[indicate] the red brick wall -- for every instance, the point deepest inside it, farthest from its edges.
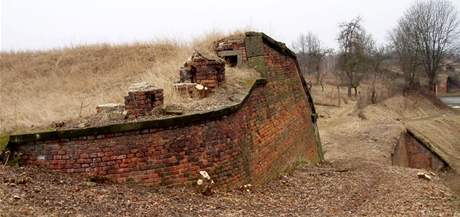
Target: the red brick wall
(288, 136)
(269, 133)
(237, 45)
(442, 85)
(139, 103)
(411, 153)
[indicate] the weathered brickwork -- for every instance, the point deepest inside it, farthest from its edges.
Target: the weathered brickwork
(266, 135)
(410, 152)
(442, 84)
(232, 50)
(202, 70)
(142, 98)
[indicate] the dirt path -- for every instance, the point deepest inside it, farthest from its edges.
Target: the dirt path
(359, 136)
(348, 135)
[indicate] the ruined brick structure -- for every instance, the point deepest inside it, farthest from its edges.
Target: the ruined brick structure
(442, 84)
(202, 70)
(142, 98)
(453, 85)
(411, 152)
(252, 141)
(447, 84)
(232, 50)
(430, 143)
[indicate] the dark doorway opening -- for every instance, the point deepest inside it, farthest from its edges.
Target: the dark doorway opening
(152, 99)
(232, 61)
(193, 75)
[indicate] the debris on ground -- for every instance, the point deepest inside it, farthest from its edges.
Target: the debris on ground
(365, 189)
(423, 175)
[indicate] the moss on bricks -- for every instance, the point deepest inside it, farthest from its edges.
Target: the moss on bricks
(133, 126)
(258, 63)
(254, 46)
(4, 139)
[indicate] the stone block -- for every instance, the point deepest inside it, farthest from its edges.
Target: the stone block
(192, 90)
(110, 108)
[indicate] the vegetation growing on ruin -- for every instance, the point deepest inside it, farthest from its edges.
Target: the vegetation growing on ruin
(42, 87)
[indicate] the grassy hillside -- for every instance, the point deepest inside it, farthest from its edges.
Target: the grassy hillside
(38, 88)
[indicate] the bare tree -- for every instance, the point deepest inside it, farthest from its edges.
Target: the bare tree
(407, 54)
(352, 62)
(313, 53)
(330, 67)
(432, 27)
(377, 69)
(301, 47)
(310, 54)
(319, 65)
(325, 66)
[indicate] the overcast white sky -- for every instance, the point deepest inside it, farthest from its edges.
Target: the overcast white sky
(45, 24)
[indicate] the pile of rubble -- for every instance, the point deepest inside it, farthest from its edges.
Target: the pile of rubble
(142, 98)
(198, 77)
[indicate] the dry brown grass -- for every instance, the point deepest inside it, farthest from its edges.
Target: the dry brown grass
(37, 88)
(329, 96)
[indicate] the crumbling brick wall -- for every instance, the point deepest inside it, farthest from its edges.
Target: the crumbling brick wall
(251, 142)
(442, 84)
(232, 50)
(409, 152)
(142, 98)
(202, 70)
